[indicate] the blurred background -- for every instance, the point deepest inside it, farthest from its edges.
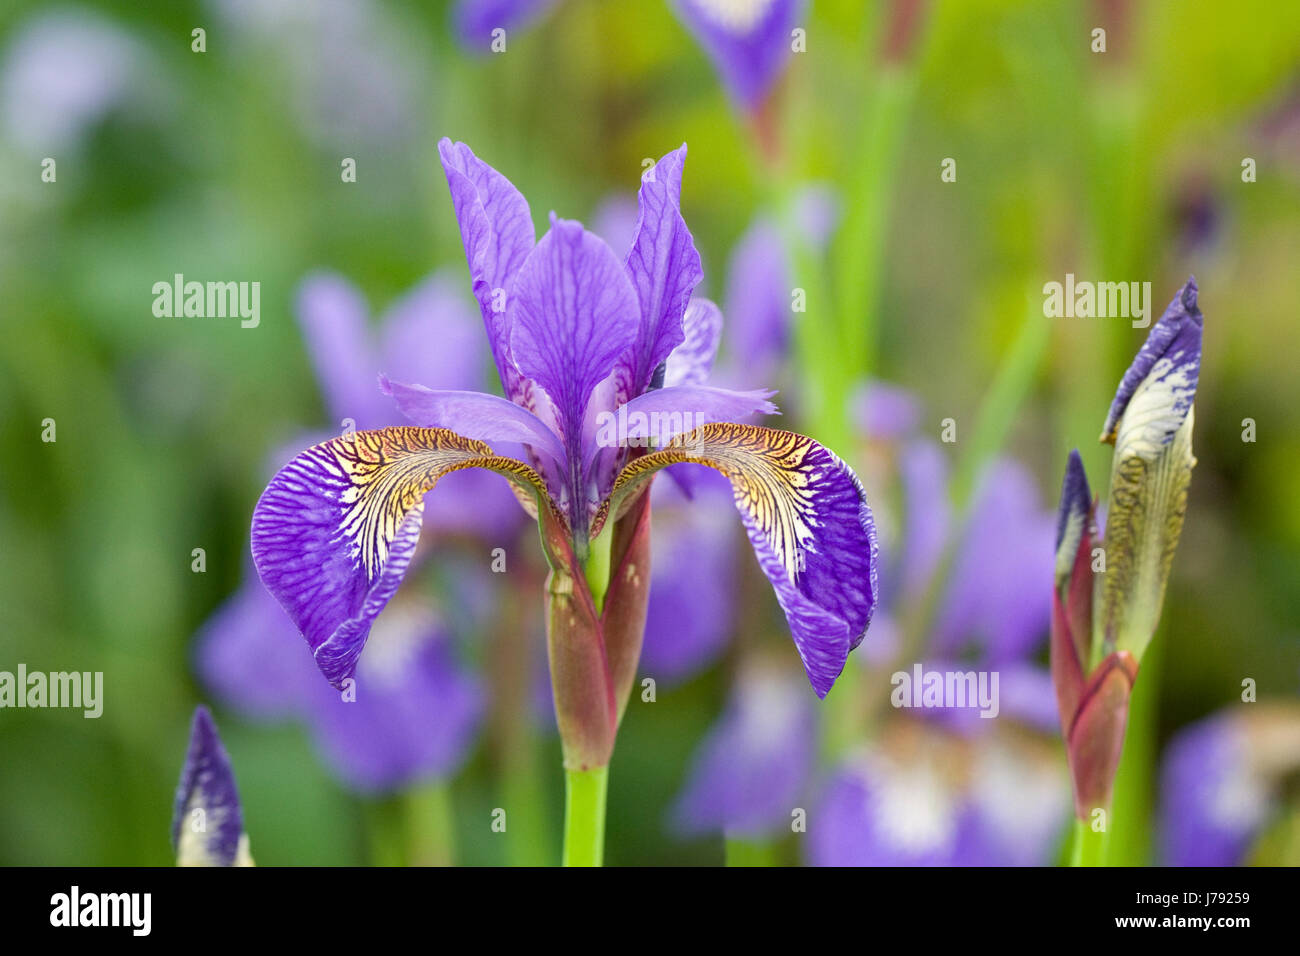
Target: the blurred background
(922, 301)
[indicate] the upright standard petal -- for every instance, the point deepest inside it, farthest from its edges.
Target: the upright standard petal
(665, 269)
(748, 41)
(207, 823)
(336, 528)
(572, 314)
(808, 521)
(496, 228)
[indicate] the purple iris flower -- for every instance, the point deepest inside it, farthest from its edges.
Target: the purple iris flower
(414, 712)
(207, 822)
(602, 362)
(749, 41)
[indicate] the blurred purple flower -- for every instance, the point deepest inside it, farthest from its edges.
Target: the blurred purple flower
(1220, 782)
(693, 579)
(63, 71)
(994, 806)
(352, 72)
(749, 41)
(474, 21)
(751, 771)
(413, 713)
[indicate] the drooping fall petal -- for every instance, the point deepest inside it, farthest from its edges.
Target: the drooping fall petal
(335, 529)
(808, 521)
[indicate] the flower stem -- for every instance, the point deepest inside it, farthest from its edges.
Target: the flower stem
(1088, 845)
(430, 825)
(742, 852)
(584, 816)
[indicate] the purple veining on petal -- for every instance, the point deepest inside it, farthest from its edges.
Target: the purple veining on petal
(1211, 805)
(664, 267)
(666, 413)
(312, 569)
(207, 822)
(749, 43)
(573, 313)
(749, 774)
(474, 415)
(496, 228)
(1171, 354)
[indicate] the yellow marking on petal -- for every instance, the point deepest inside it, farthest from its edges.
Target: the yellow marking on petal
(389, 470)
(770, 480)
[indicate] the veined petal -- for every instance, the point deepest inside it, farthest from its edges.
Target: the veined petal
(573, 312)
(207, 824)
(665, 269)
(748, 40)
(808, 521)
(496, 228)
(664, 414)
(474, 415)
(335, 529)
(691, 362)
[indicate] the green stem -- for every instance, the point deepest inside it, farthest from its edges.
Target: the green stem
(584, 816)
(430, 825)
(750, 852)
(597, 565)
(1089, 845)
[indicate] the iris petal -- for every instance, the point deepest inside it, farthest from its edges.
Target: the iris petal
(335, 529)
(809, 524)
(496, 228)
